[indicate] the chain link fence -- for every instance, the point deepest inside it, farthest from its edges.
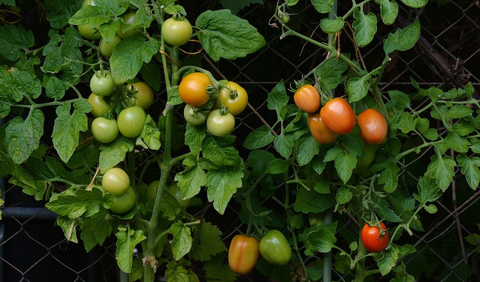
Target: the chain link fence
(446, 56)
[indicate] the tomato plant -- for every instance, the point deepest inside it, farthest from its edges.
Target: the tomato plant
(106, 48)
(319, 130)
(101, 83)
(338, 115)
(131, 121)
(143, 95)
(124, 202)
(194, 116)
(242, 254)
(234, 97)
(176, 32)
(193, 89)
(274, 248)
(115, 181)
(307, 98)
(373, 126)
(219, 124)
(374, 239)
(104, 130)
(99, 106)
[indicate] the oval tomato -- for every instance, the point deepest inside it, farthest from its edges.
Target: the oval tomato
(274, 248)
(143, 94)
(236, 100)
(176, 32)
(124, 202)
(193, 117)
(89, 33)
(374, 240)
(338, 115)
(101, 83)
(319, 130)
(307, 99)
(116, 181)
(104, 130)
(131, 121)
(128, 19)
(99, 106)
(373, 126)
(193, 89)
(219, 124)
(242, 254)
(106, 48)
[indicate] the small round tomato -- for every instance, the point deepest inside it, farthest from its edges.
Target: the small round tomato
(124, 202)
(193, 117)
(175, 191)
(365, 159)
(193, 89)
(374, 240)
(116, 181)
(143, 94)
(104, 130)
(176, 32)
(128, 18)
(373, 126)
(338, 115)
(236, 100)
(242, 254)
(106, 48)
(89, 33)
(99, 106)
(102, 83)
(219, 124)
(274, 248)
(307, 99)
(131, 121)
(319, 130)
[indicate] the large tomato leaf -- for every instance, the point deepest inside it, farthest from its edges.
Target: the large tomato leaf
(127, 241)
(403, 39)
(23, 136)
(208, 242)
(182, 239)
(365, 27)
(222, 183)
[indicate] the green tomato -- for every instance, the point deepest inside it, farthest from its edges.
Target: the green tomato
(104, 130)
(274, 248)
(175, 191)
(128, 19)
(102, 83)
(131, 121)
(99, 106)
(365, 159)
(143, 94)
(176, 32)
(220, 125)
(106, 48)
(193, 117)
(89, 33)
(116, 181)
(124, 202)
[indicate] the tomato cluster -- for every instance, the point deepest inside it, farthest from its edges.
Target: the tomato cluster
(117, 182)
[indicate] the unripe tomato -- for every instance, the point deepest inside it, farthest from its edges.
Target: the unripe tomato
(131, 121)
(143, 96)
(106, 48)
(192, 117)
(236, 101)
(99, 106)
(319, 130)
(102, 83)
(219, 124)
(124, 202)
(128, 18)
(116, 181)
(176, 32)
(89, 33)
(373, 126)
(175, 191)
(274, 248)
(307, 99)
(242, 254)
(104, 130)
(193, 89)
(338, 115)
(365, 159)
(373, 240)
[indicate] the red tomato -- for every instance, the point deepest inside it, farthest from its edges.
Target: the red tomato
(243, 254)
(338, 115)
(372, 238)
(373, 126)
(307, 99)
(319, 130)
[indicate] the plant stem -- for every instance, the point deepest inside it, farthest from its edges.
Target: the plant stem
(360, 273)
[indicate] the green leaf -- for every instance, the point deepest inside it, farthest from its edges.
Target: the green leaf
(307, 149)
(387, 259)
(113, 153)
(137, 270)
(129, 55)
(80, 203)
(330, 73)
(150, 135)
(194, 136)
(277, 166)
(403, 39)
(69, 227)
(388, 11)
(23, 137)
(127, 240)
(323, 239)
(54, 87)
(278, 98)
(456, 142)
(344, 164)
(227, 36)
(217, 271)
(470, 168)
(152, 74)
(235, 6)
(332, 25)
(353, 141)
(182, 239)
(170, 207)
(365, 27)
(323, 6)
(398, 100)
(258, 138)
(460, 111)
(357, 87)
(96, 229)
(13, 40)
(344, 195)
(91, 15)
(222, 183)
(443, 169)
(389, 177)
(176, 273)
(311, 201)
(219, 151)
(208, 242)
(59, 12)
(415, 3)
(191, 179)
(284, 144)
(428, 190)
(18, 84)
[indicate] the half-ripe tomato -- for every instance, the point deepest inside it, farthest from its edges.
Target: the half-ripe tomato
(374, 240)
(143, 94)
(307, 98)
(373, 126)
(99, 106)
(176, 32)
(116, 181)
(128, 19)
(236, 100)
(242, 254)
(104, 130)
(319, 130)
(219, 124)
(193, 89)
(131, 121)
(192, 116)
(106, 48)
(101, 83)
(274, 248)
(124, 202)
(338, 115)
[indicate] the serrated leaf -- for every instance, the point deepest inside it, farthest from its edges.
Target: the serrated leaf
(91, 15)
(460, 111)
(277, 98)
(403, 39)
(81, 203)
(277, 166)
(18, 84)
(191, 179)
(365, 27)
(113, 153)
(23, 136)
(332, 25)
(216, 270)
(323, 239)
(127, 240)
(307, 149)
(470, 168)
(182, 239)
(176, 273)
(284, 144)
(13, 40)
(227, 36)
(150, 135)
(208, 242)
(389, 177)
(388, 11)
(95, 230)
(323, 6)
(344, 165)
(222, 183)
(357, 87)
(387, 259)
(59, 12)
(428, 190)
(258, 138)
(54, 87)
(219, 151)
(456, 142)
(69, 227)
(443, 168)
(398, 100)
(311, 201)
(330, 73)
(194, 136)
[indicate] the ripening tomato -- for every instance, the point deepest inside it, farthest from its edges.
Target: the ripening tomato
(128, 19)
(219, 124)
(194, 117)
(338, 115)
(102, 83)
(236, 100)
(307, 99)
(131, 121)
(104, 130)
(193, 89)
(143, 94)
(242, 254)
(124, 202)
(319, 130)
(373, 126)
(274, 248)
(106, 48)
(374, 240)
(176, 32)
(99, 106)
(116, 181)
